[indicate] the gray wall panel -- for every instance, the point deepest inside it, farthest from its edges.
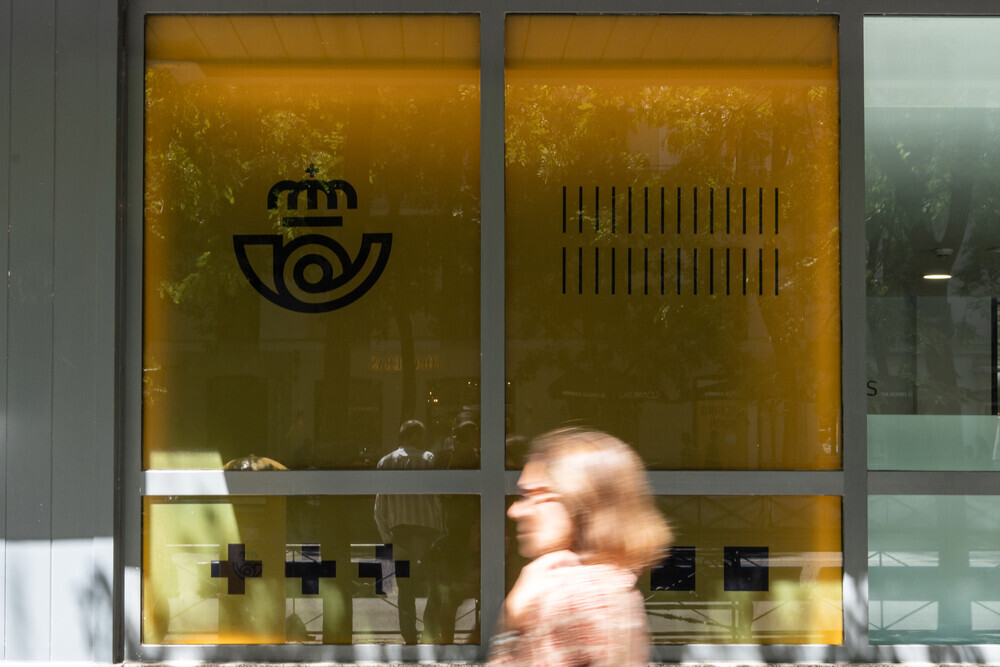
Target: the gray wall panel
(29, 331)
(5, 10)
(83, 332)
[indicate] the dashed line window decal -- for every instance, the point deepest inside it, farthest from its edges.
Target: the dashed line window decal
(726, 270)
(673, 235)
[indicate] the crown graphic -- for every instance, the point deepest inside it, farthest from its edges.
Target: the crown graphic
(312, 187)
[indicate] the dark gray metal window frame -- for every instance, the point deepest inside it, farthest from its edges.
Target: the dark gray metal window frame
(853, 484)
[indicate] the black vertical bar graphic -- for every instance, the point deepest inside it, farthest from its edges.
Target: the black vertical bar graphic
(597, 270)
(645, 210)
(564, 268)
(580, 211)
(612, 209)
(694, 272)
(564, 218)
(597, 208)
(695, 210)
(711, 210)
(995, 390)
(744, 271)
(711, 270)
(662, 257)
(760, 271)
(760, 211)
(775, 272)
(678, 271)
(727, 271)
(630, 209)
(629, 270)
(744, 210)
(727, 210)
(678, 210)
(645, 270)
(776, 211)
(612, 270)
(580, 264)
(662, 214)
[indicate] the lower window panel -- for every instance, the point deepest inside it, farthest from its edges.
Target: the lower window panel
(311, 569)
(933, 565)
(742, 570)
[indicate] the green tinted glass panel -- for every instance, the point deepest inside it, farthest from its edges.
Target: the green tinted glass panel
(311, 238)
(743, 570)
(311, 569)
(932, 170)
(673, 246)
(932, 569)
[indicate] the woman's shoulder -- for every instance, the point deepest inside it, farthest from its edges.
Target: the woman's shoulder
(587, 586)
(599, 575)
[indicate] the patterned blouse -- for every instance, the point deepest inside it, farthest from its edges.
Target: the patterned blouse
(584, 616)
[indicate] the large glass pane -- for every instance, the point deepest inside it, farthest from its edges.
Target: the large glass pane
(311, 238)
(311, 569)
(743, 570)
(673, 235)
(932, 168)
(932, 569)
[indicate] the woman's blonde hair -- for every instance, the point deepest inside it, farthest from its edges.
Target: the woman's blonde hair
(602, 484)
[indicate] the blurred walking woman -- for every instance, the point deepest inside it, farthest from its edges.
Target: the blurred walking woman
(586, 519)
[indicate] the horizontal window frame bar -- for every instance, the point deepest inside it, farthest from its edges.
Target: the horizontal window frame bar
(652, 7)
(819, 653)
(432, 482)
(934, 483)
(733, 482)
(340, 653)
(310, 482)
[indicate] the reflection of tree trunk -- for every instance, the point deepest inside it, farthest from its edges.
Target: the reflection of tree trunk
(907, 178)
(404, 323)
(937, 330)
(408, 360)
(940, 354)
(334, 424)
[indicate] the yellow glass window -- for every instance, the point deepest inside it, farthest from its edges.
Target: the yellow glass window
(311, 239)
(672, 226)
(311, 569)
(742, 570)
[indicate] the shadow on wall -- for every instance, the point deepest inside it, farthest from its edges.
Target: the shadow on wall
(97, 603)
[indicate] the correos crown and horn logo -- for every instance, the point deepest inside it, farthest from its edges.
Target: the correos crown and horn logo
(323, 275)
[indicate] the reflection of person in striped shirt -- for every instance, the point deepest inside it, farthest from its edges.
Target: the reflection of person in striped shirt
(587, 519)
(410, 523)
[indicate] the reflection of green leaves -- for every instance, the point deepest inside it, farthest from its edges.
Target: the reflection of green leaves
(209, 161)
(678, 135)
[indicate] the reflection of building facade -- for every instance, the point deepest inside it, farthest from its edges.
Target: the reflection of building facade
(232, 277)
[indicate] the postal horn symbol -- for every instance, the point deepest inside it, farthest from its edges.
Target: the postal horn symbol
(319, 266)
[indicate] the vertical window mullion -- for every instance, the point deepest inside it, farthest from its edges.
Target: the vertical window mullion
(492, 314)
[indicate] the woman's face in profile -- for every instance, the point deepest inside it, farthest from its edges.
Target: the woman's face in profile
(543, 524)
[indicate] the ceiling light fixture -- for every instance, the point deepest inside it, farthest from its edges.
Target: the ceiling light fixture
(939, 271)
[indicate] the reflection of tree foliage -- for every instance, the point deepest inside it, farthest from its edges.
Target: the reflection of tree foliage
(929, 175)
(213, 152)
(645, 135)
(214, 147)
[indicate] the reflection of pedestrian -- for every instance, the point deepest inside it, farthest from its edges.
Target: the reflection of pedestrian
(455, 559)
(410, 523)
(587, 520)
(460, 450)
